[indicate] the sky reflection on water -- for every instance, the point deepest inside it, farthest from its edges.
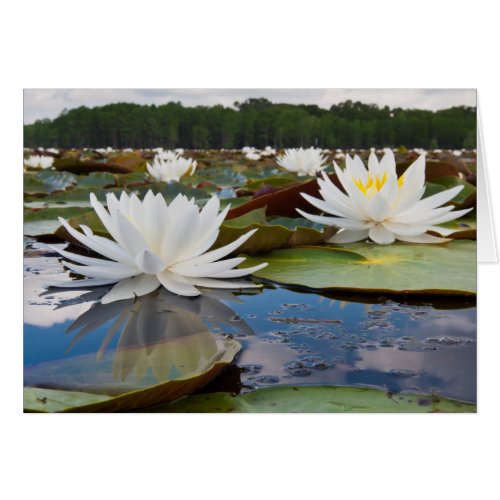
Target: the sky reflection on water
(288, 337)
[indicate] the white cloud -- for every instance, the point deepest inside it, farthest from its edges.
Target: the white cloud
(48, 103)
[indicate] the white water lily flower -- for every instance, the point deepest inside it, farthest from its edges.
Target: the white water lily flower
(302, 161)
(252, 156)
(104, 151)
(167, 155)
(251, 153)
(268, 151)
(156, 244)
(378, 205)
(171, 170)
(36, 161)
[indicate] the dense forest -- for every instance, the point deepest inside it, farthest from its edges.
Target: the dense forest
(255, 122)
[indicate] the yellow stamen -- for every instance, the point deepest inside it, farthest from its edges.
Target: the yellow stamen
(376, 182)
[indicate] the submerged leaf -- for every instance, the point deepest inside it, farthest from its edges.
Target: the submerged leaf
(91, 397)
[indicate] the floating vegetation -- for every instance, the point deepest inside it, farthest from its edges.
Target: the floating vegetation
(329, 321)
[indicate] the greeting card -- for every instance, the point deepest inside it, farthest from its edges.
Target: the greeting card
(266, 251)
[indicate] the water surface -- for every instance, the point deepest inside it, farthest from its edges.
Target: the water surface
(71, 341)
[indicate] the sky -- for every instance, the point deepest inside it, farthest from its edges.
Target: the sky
(48, 103)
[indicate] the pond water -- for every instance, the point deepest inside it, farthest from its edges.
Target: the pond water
(425, 345)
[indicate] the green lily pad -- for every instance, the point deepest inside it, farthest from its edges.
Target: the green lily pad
(465, 227)
(271, 181)
(219, 176)
(295, 223)
(234, 202)
(37, 222)
(124, 180)
(269, 236)
(131, 161)
(77, 194)
(466, 197)
(398, 268)
(254, 217)
(96, 180)
(46, 182)
(50, 399)
(37, 228)
(315, 399)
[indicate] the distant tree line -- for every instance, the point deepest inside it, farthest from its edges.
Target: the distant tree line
(255, 122)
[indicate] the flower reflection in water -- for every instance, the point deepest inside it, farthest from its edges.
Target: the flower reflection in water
(159, 337)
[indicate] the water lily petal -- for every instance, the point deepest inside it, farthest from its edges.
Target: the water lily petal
(177, 284)
(360, 200)
(132, 287)
(336, 221)
(124, 203)
(437, 199)
(404, 229)
(414, 216)
(388, 163)
(450, 216)
(220, 252)
(444, 231)
(423, 238)
(356, 169)
(378, 208)
(344, 209)
(322, 205)
(117, 272)
(407, 198)
(156, 221)
(149, 263)
(208, 270)
(373, 165)
(105, 247)
(390, 189)
(237, 273)
(216, 283)
(342, 201)
(132, 239)
(381, 235)
(182, 231)
(349, 236)
(85, 283)
(81, 259)
(106, 219)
